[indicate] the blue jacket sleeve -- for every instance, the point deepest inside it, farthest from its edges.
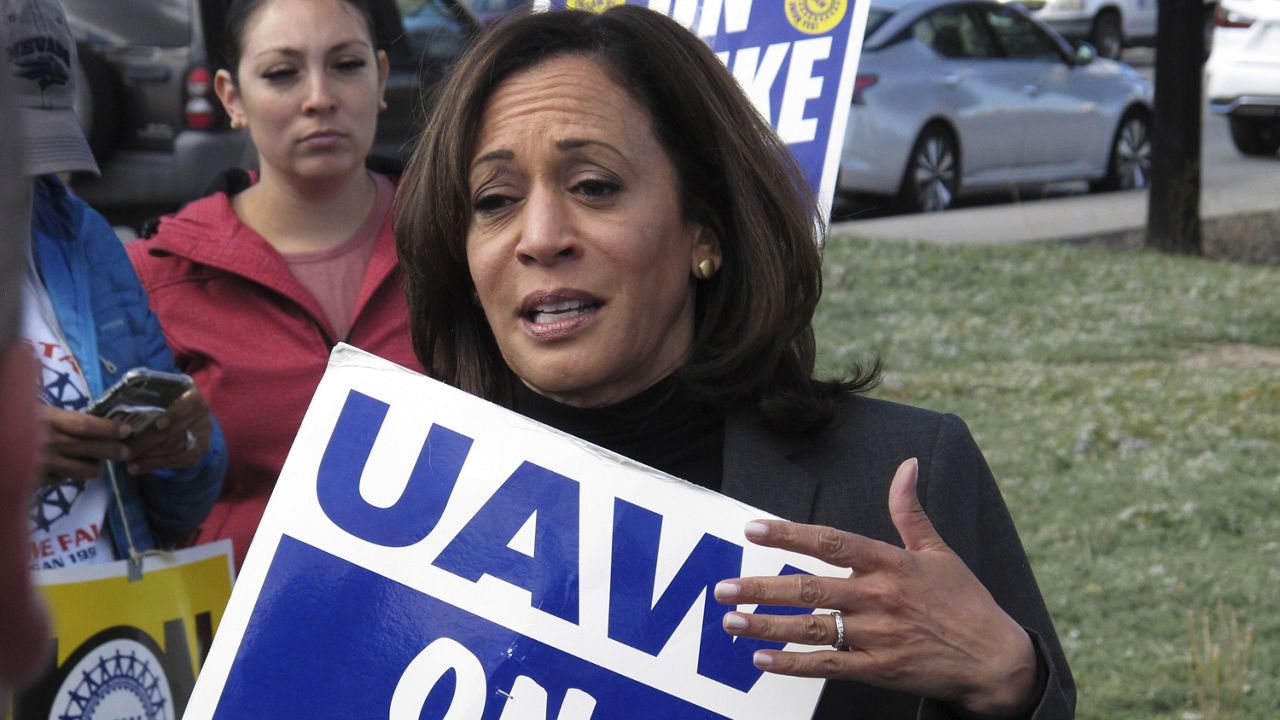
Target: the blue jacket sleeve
(175, 501)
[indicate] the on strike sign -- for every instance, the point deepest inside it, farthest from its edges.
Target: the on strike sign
(428, 554)
(795, 59)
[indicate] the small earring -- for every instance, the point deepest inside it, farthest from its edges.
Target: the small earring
(236, 124)
(382, 103)
(706, 269)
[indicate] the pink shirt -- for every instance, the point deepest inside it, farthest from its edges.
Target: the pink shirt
(333, 276)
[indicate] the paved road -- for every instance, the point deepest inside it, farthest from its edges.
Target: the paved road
(1231, 184)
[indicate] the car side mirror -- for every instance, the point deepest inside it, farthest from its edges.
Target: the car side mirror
(1085, 53)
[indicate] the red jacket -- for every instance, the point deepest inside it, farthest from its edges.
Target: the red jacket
(256, 341)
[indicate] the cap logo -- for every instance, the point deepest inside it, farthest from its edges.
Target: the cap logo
(38, 58)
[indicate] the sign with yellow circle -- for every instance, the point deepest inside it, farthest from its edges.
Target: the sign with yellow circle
(595, 6)
(127, 648)
(796, 60)
(815, 17)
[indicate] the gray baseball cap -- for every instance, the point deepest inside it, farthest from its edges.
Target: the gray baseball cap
(40, 57)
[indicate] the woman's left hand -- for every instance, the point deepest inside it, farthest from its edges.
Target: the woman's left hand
(916, 619)
(177, 439)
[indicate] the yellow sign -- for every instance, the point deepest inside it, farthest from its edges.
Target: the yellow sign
(123, 649)
(595, 6)
(815, 17)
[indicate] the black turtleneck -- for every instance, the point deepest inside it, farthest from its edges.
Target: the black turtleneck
(660, 427)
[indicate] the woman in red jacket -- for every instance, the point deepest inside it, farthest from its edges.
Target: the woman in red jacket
(254, 288)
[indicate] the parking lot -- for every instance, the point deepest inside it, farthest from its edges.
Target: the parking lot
(1232, 185)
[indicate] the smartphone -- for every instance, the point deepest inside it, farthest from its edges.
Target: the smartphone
(140, 397)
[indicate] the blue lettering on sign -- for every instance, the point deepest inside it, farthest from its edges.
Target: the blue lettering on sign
(431, 482)
(331, 639)
(550, 573)
(482, 547)
(639, 622)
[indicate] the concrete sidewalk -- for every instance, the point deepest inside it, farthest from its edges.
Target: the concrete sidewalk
(1068, 218)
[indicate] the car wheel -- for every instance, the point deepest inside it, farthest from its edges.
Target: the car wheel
(1255, 136)
(1129, 166)
(932, 177)
(95, 101)
(1107, 35)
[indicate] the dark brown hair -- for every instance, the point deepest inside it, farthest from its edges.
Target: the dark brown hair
(237, 24)
(753, 344)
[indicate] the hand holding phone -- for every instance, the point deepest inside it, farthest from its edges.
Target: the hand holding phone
(140, 397)
(76, 443)
(152, 420)
(177, 439)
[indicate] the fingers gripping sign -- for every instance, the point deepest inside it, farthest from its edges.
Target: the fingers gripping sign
(914, 619)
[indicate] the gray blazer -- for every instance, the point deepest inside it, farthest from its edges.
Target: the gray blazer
(840, 476)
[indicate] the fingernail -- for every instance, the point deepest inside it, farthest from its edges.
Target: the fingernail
(124, 430)
(755, 530)
(162, 423)
(761, 659)
(734, 621)
(915, 464)
(726, 590)
(133, 470)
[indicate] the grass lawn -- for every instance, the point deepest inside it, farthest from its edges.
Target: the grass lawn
(1129, 405)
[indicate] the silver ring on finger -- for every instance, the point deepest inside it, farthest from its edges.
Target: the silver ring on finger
(839, 644)
(191, 440)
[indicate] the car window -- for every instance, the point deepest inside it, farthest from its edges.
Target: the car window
(876, 18)
(1020, 38)
(160, 23)
(432, 30)
(952, 33)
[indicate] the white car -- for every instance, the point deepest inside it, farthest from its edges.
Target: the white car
(1109, 25)
(1242, 77)
(966, 96)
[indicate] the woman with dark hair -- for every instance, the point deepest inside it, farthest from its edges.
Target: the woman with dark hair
(599, 232)
(254, 286)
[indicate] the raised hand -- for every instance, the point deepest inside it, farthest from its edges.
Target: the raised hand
(915, 619)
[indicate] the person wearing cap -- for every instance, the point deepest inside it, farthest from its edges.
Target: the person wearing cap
(104, 491)
(23, 623)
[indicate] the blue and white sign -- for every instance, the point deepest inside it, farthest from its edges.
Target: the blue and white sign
(427, 554)
(795, 59)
